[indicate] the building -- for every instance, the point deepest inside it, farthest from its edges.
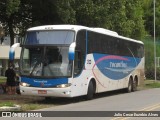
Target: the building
(4, 54)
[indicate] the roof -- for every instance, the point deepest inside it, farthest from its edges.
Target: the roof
(58, 27)
(79, 27)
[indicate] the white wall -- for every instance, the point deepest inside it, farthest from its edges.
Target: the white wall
(4, 52)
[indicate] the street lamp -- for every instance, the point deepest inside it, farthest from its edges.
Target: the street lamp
(155, 43)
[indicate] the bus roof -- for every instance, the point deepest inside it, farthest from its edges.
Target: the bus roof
(58, 27)
(79, 27)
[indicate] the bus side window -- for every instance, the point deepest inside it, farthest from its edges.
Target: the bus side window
(78, 63)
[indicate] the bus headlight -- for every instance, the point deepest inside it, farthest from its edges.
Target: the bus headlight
(24, 84)
(64, 85)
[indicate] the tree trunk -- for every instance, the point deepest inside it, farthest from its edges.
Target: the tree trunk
(11, 32)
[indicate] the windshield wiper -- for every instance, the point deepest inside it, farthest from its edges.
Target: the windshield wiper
(37, 63)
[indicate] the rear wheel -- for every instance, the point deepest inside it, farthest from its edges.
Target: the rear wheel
(130, 86)
(134, 85)
(91, 91)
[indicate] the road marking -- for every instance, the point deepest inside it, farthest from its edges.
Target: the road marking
(153, 108)
(149, 108)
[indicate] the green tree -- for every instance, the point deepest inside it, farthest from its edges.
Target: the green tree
(44, 12)
(91, 13)
(65, 11)
(123, 16)
(149, 13)
(158, 18)
(24, 16)
(126, 18)
(84, 12)
(8, 10)
(52, 12)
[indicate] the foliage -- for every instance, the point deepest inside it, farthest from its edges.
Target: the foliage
(8, 10)
(52, 12)
(12, 7)
(148, 16)
(65, 11)
(149, 57)
(7, 104)
(24, 16)
(2, 80)
(91, 13)
(152, 84)
(125, 17)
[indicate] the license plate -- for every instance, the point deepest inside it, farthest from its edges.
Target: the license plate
(42, 91)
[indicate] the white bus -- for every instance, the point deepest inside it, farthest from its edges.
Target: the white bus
(72, 60)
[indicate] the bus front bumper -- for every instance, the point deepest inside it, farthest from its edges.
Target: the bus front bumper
(47, 92)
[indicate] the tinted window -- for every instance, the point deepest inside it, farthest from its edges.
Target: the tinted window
(105, 44)
(80, 52)
(49, 37)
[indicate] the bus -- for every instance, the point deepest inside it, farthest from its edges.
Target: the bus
(74, 60)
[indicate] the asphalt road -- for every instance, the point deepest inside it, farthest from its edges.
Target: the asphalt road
(144, 100)
(117, 102)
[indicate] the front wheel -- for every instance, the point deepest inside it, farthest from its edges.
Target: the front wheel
(90, 92)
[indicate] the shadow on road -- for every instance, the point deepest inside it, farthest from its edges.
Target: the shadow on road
(63, 101)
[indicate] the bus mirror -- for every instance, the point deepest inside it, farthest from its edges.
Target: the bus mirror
(12, 51)
(71, 51)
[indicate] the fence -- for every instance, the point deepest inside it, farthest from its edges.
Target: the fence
(149, 59)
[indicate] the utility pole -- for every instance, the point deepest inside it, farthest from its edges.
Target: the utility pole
(155, 43)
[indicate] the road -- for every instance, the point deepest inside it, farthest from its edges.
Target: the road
(125, 101)
(144, 100)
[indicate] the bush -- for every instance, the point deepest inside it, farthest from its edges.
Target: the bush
(150, 73)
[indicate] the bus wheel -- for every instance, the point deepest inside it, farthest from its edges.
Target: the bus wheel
(90, 92)
(130, 86)
(135, 86)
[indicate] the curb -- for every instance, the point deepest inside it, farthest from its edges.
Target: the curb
(14, 108)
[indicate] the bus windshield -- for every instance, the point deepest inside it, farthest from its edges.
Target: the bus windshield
(59, 37)
(45, 61)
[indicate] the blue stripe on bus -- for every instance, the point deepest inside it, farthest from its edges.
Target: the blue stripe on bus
(115, 67)
(34, 82)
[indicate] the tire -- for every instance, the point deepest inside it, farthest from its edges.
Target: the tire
(91, 91)
(134, 86)
(130, 86)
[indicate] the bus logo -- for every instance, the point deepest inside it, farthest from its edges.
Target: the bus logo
(113, 66)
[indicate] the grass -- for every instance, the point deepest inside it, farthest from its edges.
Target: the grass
(26, 105)
(2, 79)
(7, 104)
(152, 84)
(32, 106)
